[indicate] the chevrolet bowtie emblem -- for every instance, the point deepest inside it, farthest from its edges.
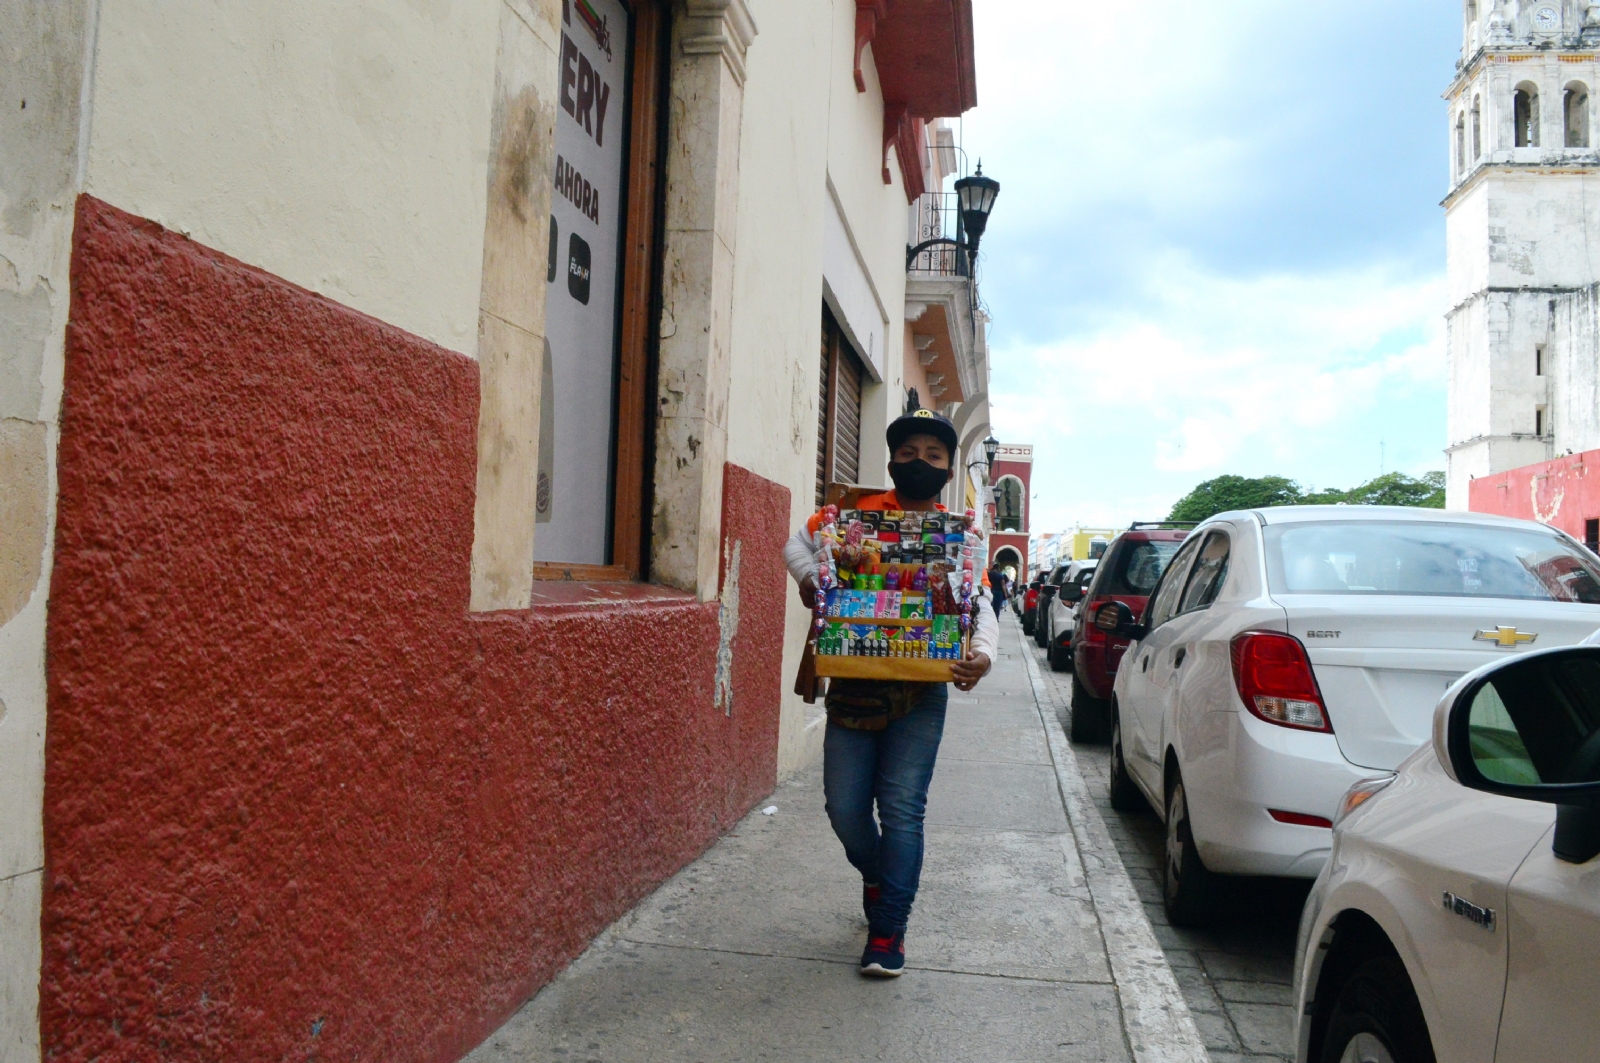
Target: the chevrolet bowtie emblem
(1505, 637)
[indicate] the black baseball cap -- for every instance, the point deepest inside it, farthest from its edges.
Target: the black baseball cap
(923, 422)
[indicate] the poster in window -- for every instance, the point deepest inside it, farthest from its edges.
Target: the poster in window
(578, 407)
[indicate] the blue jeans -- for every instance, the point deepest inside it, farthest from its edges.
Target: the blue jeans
(893, 768)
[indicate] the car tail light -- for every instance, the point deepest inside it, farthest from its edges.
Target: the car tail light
(1091, 633)
(1274, 678)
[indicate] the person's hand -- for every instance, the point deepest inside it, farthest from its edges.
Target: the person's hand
(969, 671)
(808, 593)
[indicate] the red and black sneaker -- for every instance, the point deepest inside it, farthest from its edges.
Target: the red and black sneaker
(870, 892)
(885, 956)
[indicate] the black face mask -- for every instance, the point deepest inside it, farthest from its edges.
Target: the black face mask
(916, 480)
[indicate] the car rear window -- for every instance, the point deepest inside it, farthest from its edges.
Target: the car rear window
(1136, 567)
(1428, 558)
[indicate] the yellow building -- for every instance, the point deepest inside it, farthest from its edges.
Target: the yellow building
(1084, 541)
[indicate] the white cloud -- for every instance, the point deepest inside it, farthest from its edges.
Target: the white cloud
(1201, 261)
(1204, 375)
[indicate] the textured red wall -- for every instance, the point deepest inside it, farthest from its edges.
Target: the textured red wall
(299, 803)
(1559, 492)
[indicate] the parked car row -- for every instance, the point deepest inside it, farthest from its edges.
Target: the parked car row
(1047, 592)
(1060, 620)
(1367, 696)
(1030, 604)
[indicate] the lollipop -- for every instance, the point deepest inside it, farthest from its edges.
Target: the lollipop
(827, 573)
(850, 550)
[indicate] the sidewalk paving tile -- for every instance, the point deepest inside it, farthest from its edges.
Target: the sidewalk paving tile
(995, 795)
(750, 952)
(653, 1003)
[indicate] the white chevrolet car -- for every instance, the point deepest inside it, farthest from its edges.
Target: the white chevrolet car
(1062, 616)
(1458, 917)
(1288, 654)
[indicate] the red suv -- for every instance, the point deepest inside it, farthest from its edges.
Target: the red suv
(1030, 605)
(1127, 574)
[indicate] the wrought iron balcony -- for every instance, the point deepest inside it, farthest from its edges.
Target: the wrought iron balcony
(936, 216)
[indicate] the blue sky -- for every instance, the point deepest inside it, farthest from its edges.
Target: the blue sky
(1218, 246)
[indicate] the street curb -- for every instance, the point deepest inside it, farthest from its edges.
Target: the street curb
(1154, 1014)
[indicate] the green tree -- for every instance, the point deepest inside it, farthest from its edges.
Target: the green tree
(1243, 492)
(1328, 496)
(1235, 492)
(1398, 489)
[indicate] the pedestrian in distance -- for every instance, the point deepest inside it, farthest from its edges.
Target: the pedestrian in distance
(883, 737)
(997, 584)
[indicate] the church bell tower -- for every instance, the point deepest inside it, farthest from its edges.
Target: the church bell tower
(1522, 222)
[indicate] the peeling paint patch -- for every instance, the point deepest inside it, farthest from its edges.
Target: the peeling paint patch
(24, 504)
(728, 623)
(24, 329)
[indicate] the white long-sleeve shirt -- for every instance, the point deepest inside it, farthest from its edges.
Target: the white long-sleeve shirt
(800, 554)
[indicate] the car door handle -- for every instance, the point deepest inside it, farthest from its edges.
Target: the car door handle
(1178, 656)
(1144, 665)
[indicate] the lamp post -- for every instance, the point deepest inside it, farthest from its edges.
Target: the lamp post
(976, 195)
(991, 446)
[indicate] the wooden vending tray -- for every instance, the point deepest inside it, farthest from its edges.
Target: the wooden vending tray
(905, 669)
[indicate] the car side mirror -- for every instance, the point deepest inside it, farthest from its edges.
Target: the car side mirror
(1529, 727)
(1071, 592)
(1115, 618)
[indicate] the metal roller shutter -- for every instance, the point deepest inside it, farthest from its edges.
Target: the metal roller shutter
(839, 387)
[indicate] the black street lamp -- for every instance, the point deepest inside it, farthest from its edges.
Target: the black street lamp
(976, 194)
(991, 447)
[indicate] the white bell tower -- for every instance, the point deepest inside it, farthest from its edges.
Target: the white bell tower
(1522, 222)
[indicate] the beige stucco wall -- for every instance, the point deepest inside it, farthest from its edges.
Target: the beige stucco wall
(340, 146)
(41, 77)
(812, 145)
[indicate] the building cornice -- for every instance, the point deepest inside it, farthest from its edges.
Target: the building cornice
(1516, 53)
(719, 27)
(953, 294)
(1499, 437)
(1579, 165)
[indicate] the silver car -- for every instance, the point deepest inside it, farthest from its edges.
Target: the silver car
(1458, 916)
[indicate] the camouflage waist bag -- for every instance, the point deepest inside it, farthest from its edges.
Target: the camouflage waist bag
(872, 704)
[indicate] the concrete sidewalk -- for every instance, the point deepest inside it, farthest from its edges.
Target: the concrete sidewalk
(750, 953)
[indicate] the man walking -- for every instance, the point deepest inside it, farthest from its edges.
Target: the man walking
(883, 737)
(999, 587)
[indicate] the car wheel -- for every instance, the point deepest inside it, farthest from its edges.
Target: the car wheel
(1125, 795)
(1089, 714)
(1377, 1018)
(1060, 657)
(1041, 634)
(1186, 885)
(1027, 623)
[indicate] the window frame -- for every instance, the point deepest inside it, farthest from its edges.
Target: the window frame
(1184, 606)
(638, 304)
(1573, 97)
(1179, 564)
(1022, 505)
(1525, 115)
(835, 347)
